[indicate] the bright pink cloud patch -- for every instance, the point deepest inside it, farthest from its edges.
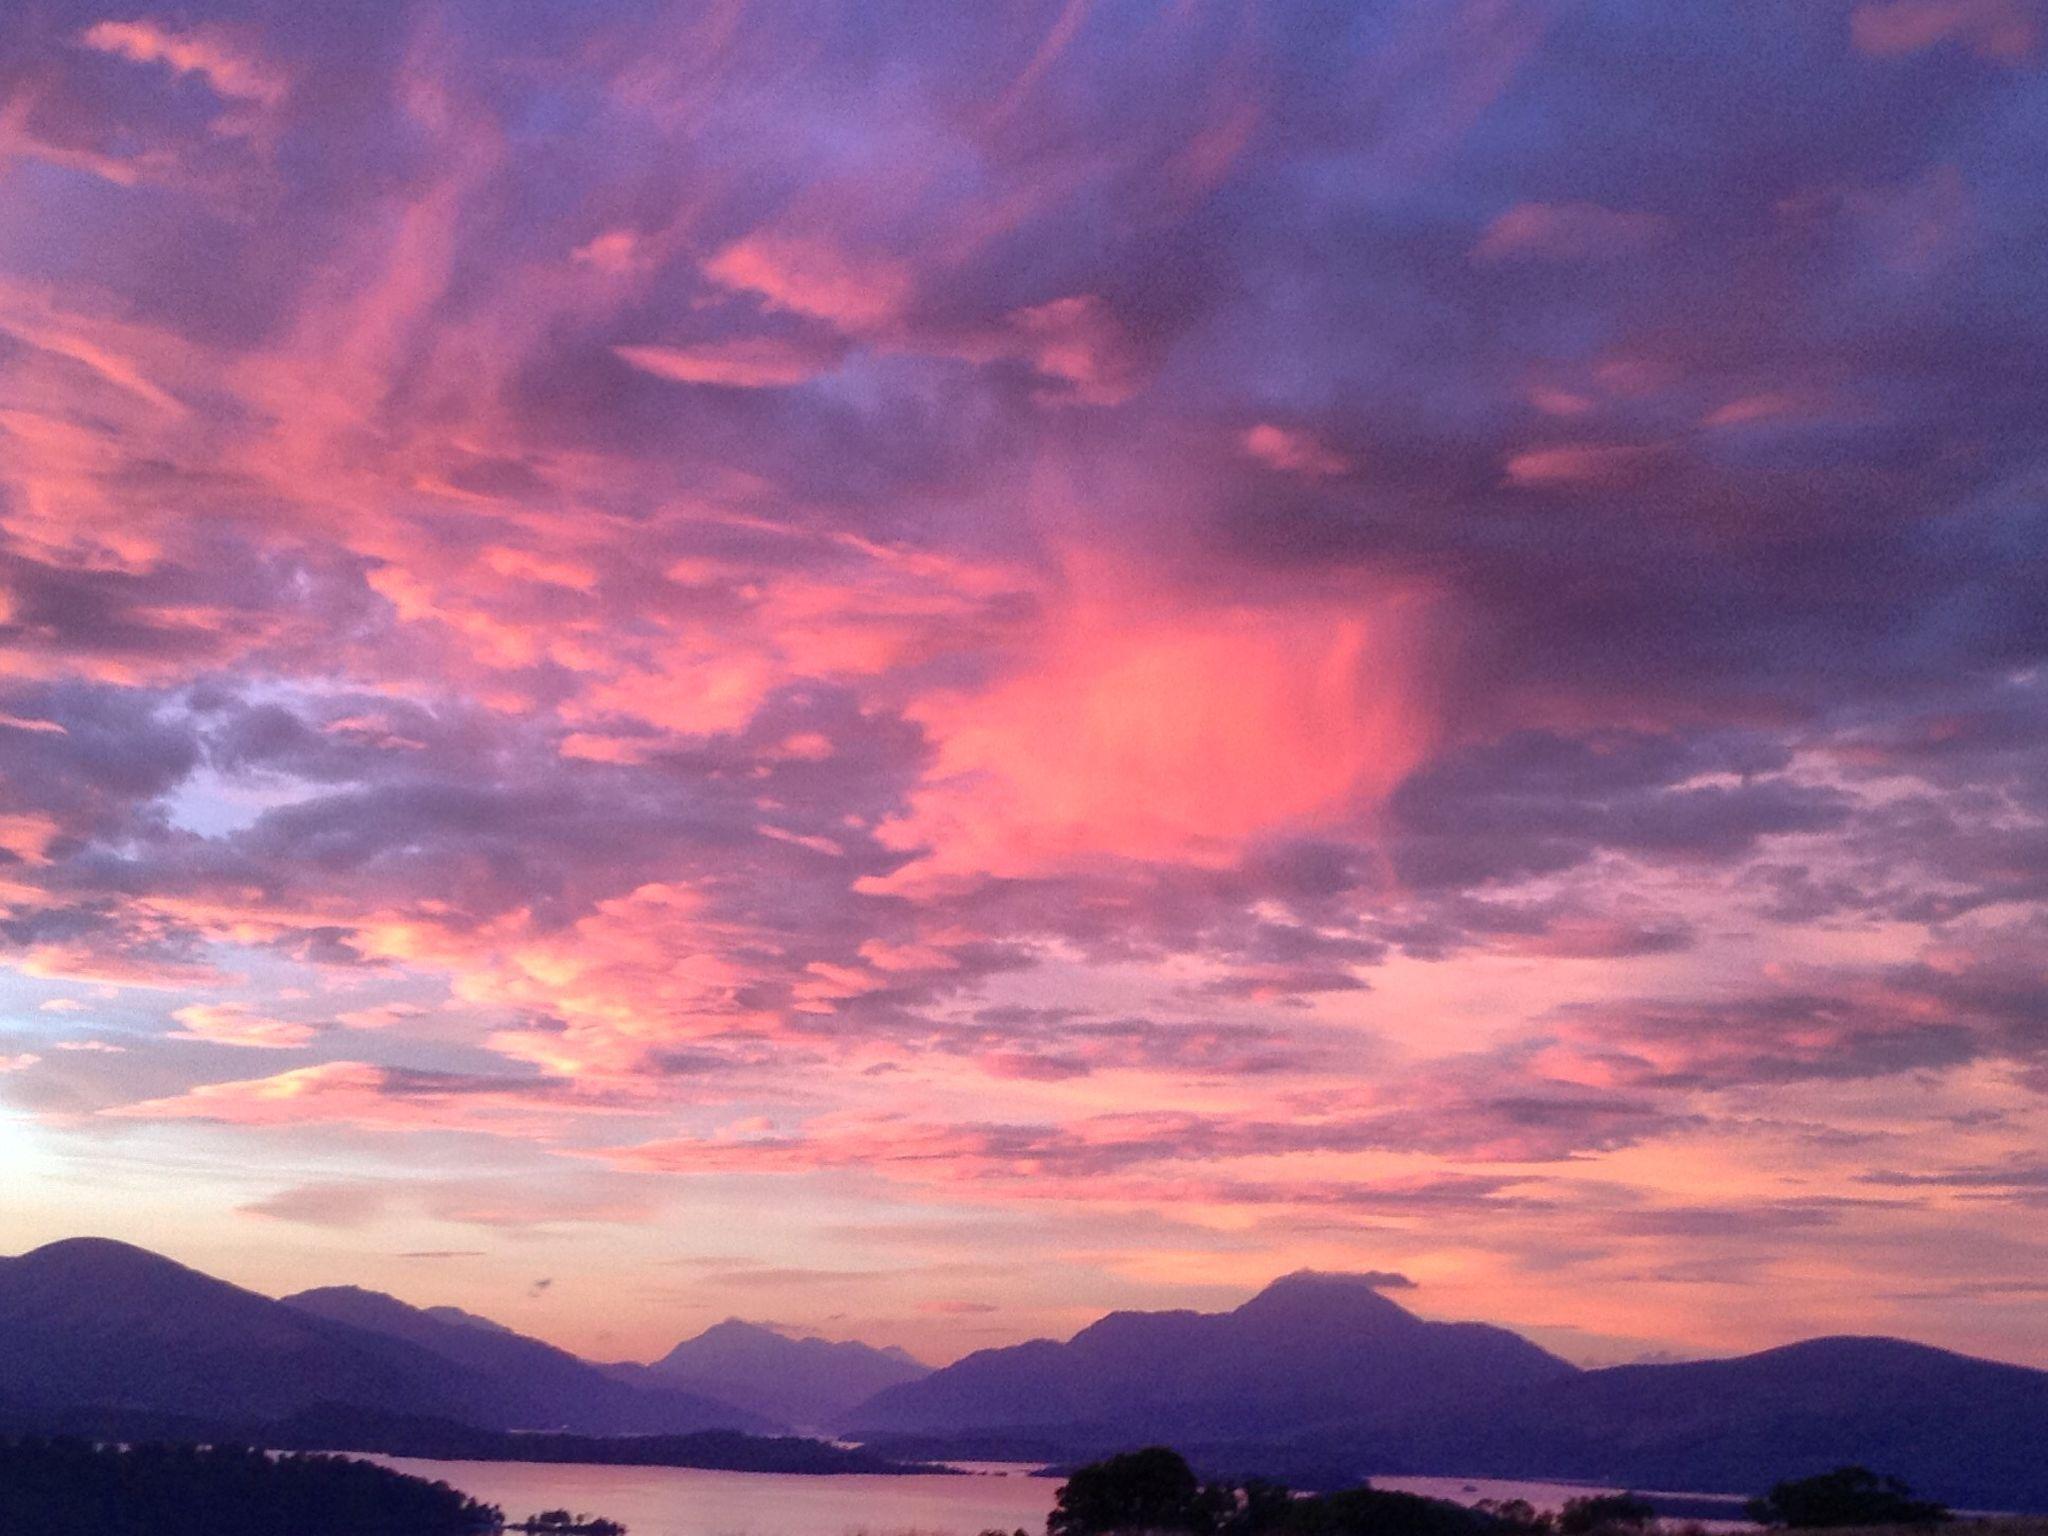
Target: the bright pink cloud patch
(1151, 726)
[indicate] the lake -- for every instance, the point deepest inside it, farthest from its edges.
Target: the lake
(686, 1501)
(1709, 1511)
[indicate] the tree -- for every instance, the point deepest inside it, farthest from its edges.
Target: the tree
(1604, 1511)
(1845, 1496)
(1369, 1511)
(1261, 1505)
(1149, 1490)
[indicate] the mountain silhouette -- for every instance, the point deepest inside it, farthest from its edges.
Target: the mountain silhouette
(90, 1321)
(806, 1382)
(539, 1386)
(1970, 1432)
(1317, 1377)
(1311, 1349)
(1322, 1378)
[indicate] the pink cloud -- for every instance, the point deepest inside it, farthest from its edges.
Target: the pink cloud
(373, 1097)
(28, 837)
(1150, 725)
(1293, 451)
(236, 1024)
(815, 278)
(1773, 405)
(615, 252)
(757, 362)
(1076, 341)
(1568, 232)
(2006, 31)
(118, 967)
(1582, 464)
(206, 52)
(383, 1016)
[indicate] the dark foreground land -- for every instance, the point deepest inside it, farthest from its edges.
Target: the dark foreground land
(1157, 1492)
(75, 1488)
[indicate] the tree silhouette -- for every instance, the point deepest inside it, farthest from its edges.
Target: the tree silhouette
(1845, 1496)
(1369, 1511)
(1155, 1490)
(1604, 1511)
(1148, 1490)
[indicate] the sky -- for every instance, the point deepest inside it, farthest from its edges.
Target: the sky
(918, 670)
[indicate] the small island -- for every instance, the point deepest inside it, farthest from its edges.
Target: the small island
(338, 1428)
(559, 1522)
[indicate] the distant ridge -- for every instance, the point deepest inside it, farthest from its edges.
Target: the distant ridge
(1325, 1378)
(1310, 1349)
(540, 1386)
(806, 1382)
(1971, 1432)
(92, 1323)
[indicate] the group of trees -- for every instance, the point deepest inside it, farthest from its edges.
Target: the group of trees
(1156, 1491)
(1847, 1496)
(559, 1522)
(58, 1487)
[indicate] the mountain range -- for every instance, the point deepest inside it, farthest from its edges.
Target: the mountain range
(533, 1385)
(1308, 1351)
(807, 1382)
(1320, 1379)
(88, 1322)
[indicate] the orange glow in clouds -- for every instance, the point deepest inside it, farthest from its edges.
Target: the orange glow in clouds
(1143, 725)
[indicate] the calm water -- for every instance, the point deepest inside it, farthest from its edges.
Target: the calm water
(682, 1501)
(1726, 1508)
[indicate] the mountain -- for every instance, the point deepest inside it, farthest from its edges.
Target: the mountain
(89, 1324)
(457, 1315)
(1969, 1432)
(1321, 1380)
(1309, 1350)
(93, 1322)
(801, 1381)
(537, 1385)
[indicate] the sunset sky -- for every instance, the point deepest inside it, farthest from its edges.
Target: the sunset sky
(918, 669)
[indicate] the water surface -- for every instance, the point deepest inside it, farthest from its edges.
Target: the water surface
(1711, 1511)
(687, 1501)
